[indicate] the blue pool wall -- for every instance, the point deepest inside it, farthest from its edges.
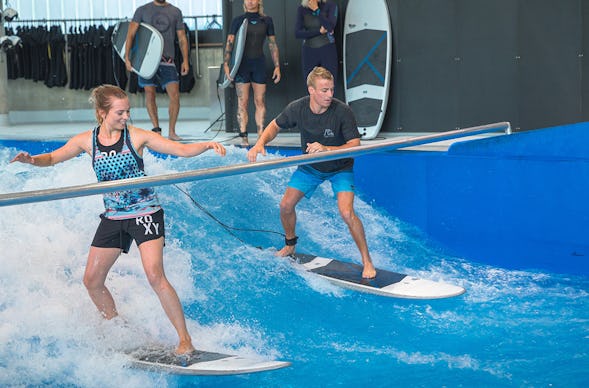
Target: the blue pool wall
(518, 201)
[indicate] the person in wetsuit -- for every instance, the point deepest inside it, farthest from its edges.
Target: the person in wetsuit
(316, 20)
(117, 150)
(167, 19)
(252, 70)
(325, 124)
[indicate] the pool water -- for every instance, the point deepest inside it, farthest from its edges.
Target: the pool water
(511, 328)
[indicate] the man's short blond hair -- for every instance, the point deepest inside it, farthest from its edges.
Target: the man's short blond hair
(318, 72)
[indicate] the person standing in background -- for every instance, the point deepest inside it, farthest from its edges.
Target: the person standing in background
(316, 20)
(252, 70)
(168, 20)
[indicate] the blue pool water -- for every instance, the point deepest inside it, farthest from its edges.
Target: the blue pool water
(511, 328)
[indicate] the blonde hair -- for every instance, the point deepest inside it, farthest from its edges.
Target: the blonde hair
(305, 3)
(318, 72)
(260, 7)
(101, 98)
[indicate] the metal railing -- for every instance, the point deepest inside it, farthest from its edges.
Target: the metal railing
(242, 168)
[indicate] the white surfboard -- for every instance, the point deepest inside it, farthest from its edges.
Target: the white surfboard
(386, 283)
(160, 358)
(236, 54)
(148, 46)
(368, 57)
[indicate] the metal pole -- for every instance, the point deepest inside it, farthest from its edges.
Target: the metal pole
(237, 169)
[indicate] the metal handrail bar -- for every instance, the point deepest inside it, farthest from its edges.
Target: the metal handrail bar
(237, 169)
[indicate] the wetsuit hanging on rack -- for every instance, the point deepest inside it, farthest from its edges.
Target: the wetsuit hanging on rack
(56, 74)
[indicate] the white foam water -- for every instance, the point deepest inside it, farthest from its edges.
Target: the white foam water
(510, 328)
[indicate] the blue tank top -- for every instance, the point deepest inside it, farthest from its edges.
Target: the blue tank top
(121, 161)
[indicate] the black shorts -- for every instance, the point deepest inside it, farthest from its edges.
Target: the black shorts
(121, 233)
(252, 70)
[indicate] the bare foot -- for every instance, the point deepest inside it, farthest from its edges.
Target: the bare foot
(244, 142)
(369, 272)
(286, 251)
(174, 137)
(184, 347)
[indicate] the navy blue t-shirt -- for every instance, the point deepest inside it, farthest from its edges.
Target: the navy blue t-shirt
(334, 127)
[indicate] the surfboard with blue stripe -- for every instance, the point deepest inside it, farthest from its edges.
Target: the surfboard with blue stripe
(148, 46)
(367, 63)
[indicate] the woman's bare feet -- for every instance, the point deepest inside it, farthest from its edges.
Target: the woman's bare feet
(369, 272)
(184, 347)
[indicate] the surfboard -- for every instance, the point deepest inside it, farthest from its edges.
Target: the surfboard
(367, 61)
(163, 359)
(236, 54)
(148, 46)
(386, 283)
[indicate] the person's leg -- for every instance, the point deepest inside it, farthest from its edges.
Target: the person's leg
(242, 90)
(100, 261)
(153, 263)
(308, 61)
(260, 104)
(288, 218)
(345, 203)
(329, 60)
(173, 91)
(151, 105)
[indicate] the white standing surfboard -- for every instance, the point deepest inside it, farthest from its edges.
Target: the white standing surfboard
(236, 54)
(148, 46)
(162, 358)
(386, 283)
(367, 63)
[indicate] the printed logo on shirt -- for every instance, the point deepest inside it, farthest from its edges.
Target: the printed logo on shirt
(161, 22)
(150, 226)
(328, 133)
(108, 154)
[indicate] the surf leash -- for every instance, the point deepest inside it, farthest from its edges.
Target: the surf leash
(228, 228)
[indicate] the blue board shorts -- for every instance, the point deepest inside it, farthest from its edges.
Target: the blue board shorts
(306, 179)
(251, 70)
(166, 74)
(121, 233)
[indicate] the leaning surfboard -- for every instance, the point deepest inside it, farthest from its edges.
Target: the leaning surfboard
(148, 46)
(386, 283)
(200, 362)
(236, 54)
(367, 63)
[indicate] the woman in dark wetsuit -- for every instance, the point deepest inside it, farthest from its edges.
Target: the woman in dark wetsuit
(252, 70)
(316, 20)
(117, 153)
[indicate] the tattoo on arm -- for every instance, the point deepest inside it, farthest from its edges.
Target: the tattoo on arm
(228, 51)
(274, 51)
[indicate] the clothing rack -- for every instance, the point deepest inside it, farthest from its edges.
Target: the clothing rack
(65, 22)
(85, 21)
(213, 23)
